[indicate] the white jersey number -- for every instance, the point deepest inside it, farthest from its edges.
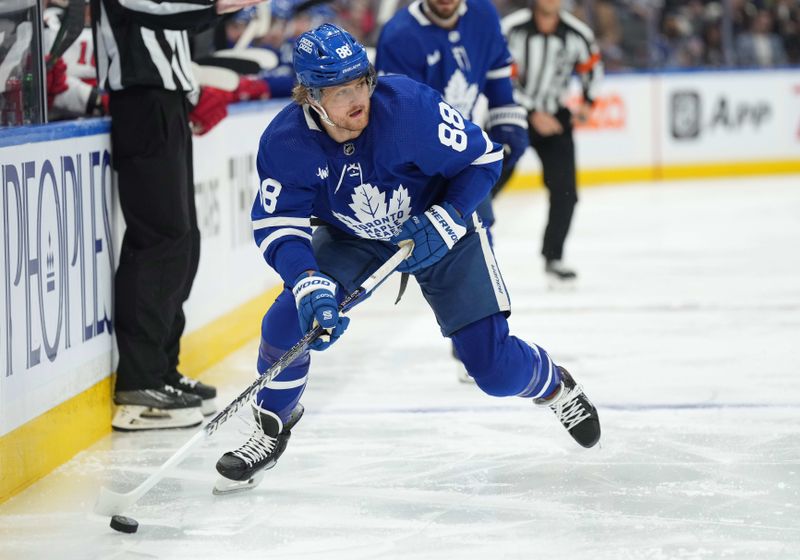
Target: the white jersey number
(452, 135)
(270, 189)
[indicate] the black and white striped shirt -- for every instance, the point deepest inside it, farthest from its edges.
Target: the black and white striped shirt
(545, 62)
(145, 42)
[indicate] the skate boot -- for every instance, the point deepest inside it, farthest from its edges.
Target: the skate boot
(195, 387)
(574, 410)
(243, 468)
(557, 272)
(153, 409)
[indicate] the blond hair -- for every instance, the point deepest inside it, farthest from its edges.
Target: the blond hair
(300, 94)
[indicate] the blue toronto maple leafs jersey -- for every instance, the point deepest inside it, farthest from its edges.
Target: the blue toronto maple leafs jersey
(461, 63)
(416, 151)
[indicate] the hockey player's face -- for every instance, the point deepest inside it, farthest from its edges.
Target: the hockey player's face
(443, 9)
(347, 105)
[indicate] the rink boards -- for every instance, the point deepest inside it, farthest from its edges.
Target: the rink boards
(61, 231)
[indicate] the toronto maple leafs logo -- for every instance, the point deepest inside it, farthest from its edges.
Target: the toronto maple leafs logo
(460, 93)
(373, 217)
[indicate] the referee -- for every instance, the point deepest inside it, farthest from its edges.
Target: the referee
(548, 44)
(143, 61)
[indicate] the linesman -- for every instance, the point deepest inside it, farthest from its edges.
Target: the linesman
(143, 61)
(548, 45)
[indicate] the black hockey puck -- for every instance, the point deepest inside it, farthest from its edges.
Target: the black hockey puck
(124, 524)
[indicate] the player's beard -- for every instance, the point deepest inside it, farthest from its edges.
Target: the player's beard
(354, 122)
(443, 12)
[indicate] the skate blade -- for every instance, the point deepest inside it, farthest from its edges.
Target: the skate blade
(225, 486)
(131, 418)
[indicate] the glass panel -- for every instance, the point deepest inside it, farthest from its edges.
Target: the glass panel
(21, 67)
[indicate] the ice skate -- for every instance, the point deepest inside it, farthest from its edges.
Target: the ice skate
(558, 275)
(462, 374)
(574, 410)
(194, 387)
(153, 409)
(244, 468)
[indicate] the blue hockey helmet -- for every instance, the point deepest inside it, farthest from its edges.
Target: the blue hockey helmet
(329, 56)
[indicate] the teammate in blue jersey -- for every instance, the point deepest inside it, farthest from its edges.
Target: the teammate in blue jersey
(457, 48)
(381, 162)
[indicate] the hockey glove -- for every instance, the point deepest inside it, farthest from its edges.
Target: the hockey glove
(56, 80)
(433, 233)
(509, 126)
(315, 297)
(250, 88)
(210, 109)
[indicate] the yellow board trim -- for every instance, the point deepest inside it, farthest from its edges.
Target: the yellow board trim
(593, 177)
(37, 447)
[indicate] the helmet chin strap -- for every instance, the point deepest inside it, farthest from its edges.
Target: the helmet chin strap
(323, 114)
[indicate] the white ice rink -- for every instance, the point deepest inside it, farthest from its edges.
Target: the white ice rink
(684, 329)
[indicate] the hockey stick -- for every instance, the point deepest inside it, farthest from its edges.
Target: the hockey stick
(113, 503)
(71, 28)
(216, 77)
(266, 60)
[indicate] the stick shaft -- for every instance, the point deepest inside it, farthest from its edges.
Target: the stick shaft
(113, 503)
(295, 351)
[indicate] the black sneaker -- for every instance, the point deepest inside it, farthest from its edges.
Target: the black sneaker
(244, 467)
(574, 410)
(556, 269)
(194, 387)
(153, 409)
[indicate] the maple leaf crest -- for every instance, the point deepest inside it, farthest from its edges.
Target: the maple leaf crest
(373, 217)
(460, 93)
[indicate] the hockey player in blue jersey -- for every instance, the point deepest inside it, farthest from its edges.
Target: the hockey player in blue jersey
(380, 162)
(457, 48)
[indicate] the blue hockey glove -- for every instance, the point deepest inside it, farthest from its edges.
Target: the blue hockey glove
(509, 126)
(315, 297)
(433, 233)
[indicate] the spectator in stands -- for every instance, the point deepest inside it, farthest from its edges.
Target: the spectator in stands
(760, 47)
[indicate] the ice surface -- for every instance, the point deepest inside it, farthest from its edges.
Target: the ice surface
(684, 329)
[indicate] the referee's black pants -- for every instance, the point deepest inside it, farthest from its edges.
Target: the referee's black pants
(557, 154)
(152, 152)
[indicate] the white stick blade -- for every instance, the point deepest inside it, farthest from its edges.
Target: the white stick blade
(110, 503)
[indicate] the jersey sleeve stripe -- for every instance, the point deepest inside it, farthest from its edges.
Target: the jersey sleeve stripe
(488, 158)
(163, 8)
(284, 232)
(497, 73)
(490, 155)
(278, 222)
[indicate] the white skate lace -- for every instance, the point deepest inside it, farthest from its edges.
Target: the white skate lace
(188, 381)
(172, 390)
(256, 448)
(568, 409)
